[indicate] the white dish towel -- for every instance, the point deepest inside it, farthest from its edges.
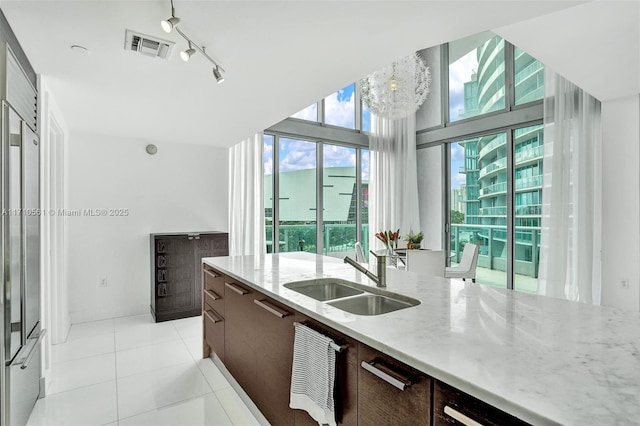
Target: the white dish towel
(313, 375)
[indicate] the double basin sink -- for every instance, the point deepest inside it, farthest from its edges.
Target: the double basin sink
(351, 297)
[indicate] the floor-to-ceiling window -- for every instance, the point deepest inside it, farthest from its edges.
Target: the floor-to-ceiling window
(493, 136)
(340, 198)
(478, 211)
(316, 188)
(294, 178)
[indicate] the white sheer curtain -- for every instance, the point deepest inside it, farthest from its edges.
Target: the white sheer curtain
(246, 186)
(393, 180)
(571, 212)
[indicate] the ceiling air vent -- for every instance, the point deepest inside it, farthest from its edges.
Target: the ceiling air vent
(148, 45)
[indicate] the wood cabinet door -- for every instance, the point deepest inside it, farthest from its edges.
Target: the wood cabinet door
(454, 407)
(213, 329)
(274, 349)
(346, 387)
(176, 293)
(240, 336)
(390, 392)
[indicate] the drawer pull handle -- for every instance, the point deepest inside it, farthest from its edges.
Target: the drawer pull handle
(455, 414)
(273, 309)
(212, 317)
(378, 370)
(208, 272)
(237, 289)
(213, 294)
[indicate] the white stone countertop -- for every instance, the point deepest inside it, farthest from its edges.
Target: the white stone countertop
(544, 360)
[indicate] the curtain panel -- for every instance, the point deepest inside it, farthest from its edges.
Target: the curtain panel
(393, 179)
(570, 243)
(246, 189)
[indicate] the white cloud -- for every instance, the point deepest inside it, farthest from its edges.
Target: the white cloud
(340, 112)
(459, 73)
(267, 157)
(365, 166)
(268, 166)
(309, 113)
(458, 179)
(297, 155)
(339, 156)
(457, 152)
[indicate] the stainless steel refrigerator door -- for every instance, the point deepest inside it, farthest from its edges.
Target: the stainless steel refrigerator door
(21, 234)
(12, 217)
(31, 224)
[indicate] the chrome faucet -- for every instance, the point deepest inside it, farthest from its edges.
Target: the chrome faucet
(381, 278)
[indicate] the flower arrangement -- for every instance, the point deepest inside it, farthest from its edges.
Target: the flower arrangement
(389, 238)
(414, 240)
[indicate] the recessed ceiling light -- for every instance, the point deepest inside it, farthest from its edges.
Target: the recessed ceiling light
(79, 49)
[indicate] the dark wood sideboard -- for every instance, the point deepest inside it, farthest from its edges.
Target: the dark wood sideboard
(176, 264)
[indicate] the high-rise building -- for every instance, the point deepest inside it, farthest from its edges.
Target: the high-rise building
(485, 157)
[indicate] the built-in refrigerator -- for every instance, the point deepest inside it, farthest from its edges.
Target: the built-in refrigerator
(20, 237)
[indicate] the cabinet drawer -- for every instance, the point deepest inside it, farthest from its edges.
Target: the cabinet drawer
(213, 280)
(454, 407)
(388, 390)
(213, 300)
(214, 331)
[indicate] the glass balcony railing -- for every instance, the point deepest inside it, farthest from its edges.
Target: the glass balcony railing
(496, 188)
(496, 143)
(339, 239)
(493, 211)
(528, 71)
(529, 182)
(496, 165)
(529, 154)
(491, 240)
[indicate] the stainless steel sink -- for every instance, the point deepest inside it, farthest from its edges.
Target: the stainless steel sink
(373, 304)
(324, 289)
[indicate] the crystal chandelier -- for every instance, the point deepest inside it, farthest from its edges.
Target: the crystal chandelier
(399, 89)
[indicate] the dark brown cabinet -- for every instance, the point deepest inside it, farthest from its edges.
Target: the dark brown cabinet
(253, 335)
(390, 392)
(346, 385)
(259, 349)
(176, 264)
(454, 407)
(213, 312)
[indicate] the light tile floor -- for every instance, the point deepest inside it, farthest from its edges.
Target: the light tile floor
(132, 371)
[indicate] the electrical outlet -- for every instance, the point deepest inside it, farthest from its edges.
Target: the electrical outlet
(103, 282)
(624, 283)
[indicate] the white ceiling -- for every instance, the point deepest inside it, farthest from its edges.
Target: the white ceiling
(280, 56)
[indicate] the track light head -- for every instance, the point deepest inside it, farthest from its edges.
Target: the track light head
(187, 54)
(217, 75)
(169, 24)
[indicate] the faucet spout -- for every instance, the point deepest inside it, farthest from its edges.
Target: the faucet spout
(379, 279)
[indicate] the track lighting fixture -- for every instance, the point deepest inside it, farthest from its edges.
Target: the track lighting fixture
(187, 54)
(217, 75)
(170, 24)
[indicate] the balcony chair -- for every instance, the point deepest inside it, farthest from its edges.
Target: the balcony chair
(467, 266)
(360, 253)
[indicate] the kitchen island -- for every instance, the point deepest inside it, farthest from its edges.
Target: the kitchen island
(540, 359)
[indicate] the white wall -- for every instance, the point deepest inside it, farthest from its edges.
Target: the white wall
(430, 194)
(621, 202)
(54, 294)
(182, 188)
